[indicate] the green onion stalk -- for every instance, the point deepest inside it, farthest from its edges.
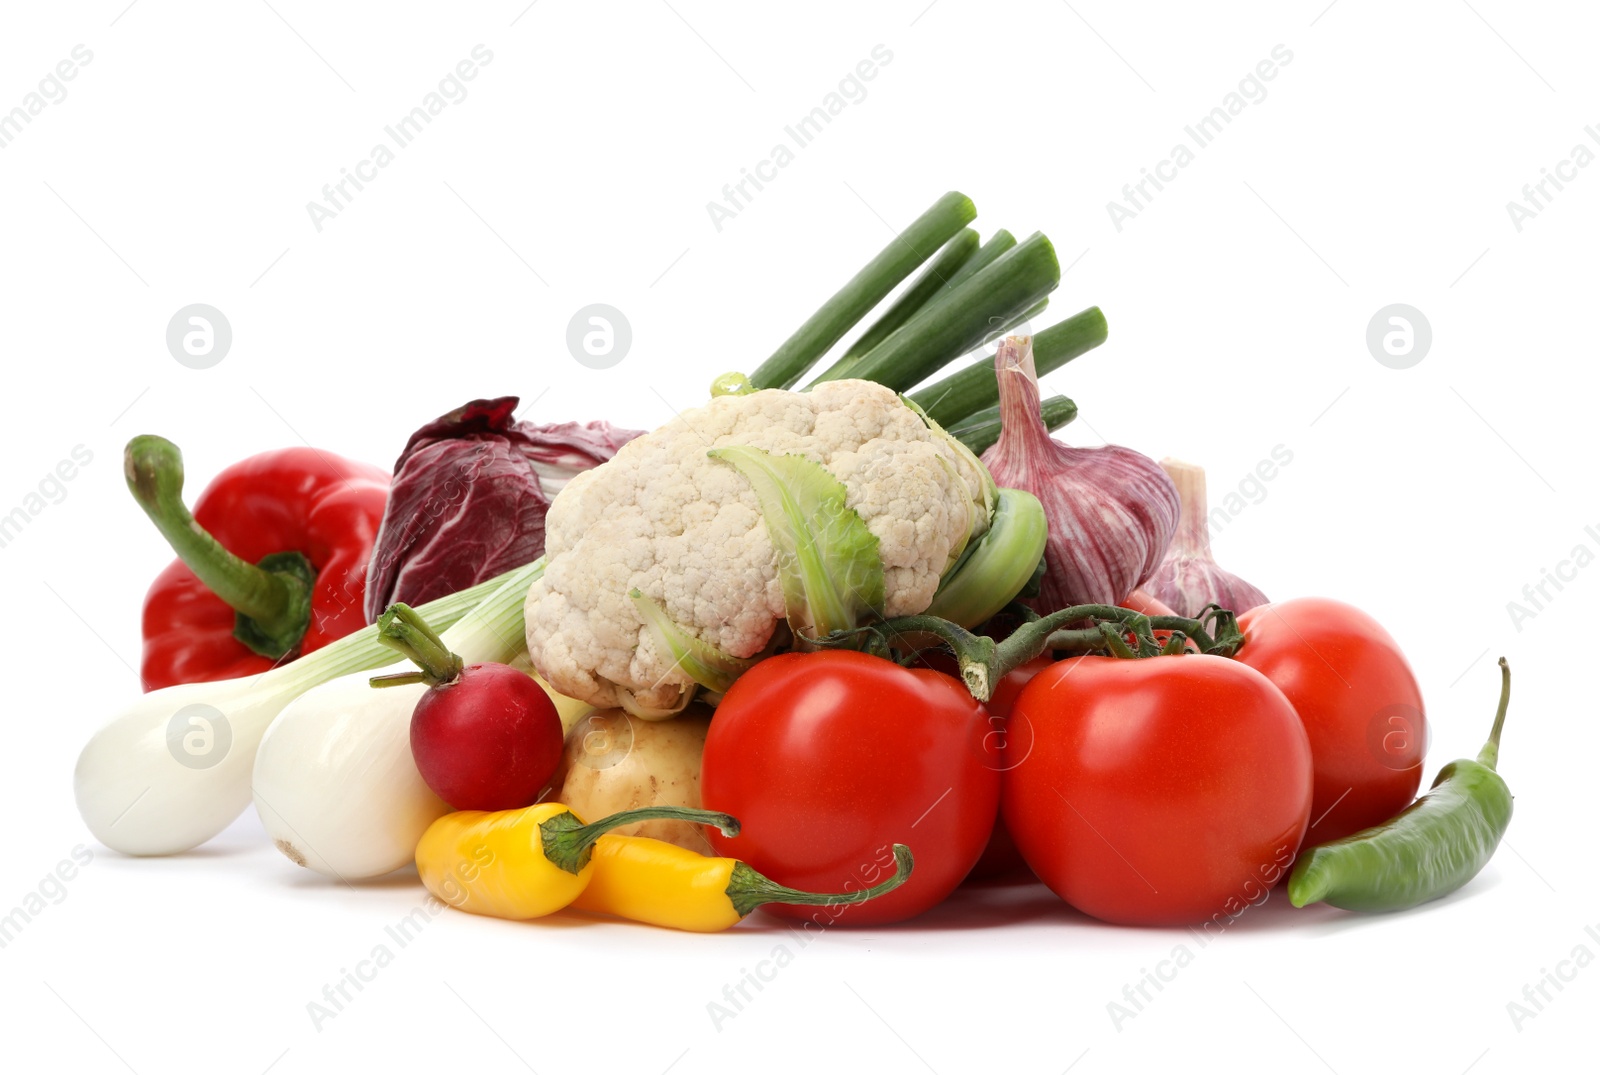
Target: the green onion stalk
(966, 295)
(979, 430)
(909, 249)
(975, 388)
(960, 320)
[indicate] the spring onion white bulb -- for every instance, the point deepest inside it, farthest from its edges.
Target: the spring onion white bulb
(334, 782)
(173, 769)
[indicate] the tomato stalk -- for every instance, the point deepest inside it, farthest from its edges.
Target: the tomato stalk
(984, 662)
(1223, 637)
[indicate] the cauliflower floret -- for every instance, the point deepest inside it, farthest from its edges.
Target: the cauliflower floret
(686, 530)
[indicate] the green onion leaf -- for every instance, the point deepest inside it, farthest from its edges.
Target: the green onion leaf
(975, 387)
(980, 430)
(908, 249)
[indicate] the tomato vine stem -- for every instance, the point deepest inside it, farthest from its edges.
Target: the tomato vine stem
(1081, 629)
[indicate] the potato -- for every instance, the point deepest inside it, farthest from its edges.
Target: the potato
(614, 762)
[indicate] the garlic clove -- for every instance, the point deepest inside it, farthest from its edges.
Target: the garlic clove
(1189, 578)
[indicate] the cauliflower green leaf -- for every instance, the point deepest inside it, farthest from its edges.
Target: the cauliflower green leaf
(828, 560)
(706, 664)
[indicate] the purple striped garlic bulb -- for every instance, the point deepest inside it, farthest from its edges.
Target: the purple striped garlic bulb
(1189, 579)
(1111, 510)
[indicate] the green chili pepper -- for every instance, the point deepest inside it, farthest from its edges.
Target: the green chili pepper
(1428, 850)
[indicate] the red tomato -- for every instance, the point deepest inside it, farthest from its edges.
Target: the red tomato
(1160, 791)
(828, 759)
(1358, 699)
(1001, 858)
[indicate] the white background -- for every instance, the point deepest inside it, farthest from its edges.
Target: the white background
(1376, 170)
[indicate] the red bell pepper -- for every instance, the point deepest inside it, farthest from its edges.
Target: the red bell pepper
(271, 564)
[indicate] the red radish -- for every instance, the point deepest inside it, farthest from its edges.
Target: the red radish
(484, 736)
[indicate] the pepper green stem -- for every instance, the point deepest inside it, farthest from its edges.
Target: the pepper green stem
(748, 889)
(569, 844)
(403, 629)
(271, 600)
(1490, 754)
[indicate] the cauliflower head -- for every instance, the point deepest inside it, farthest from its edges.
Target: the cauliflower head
(665, 518)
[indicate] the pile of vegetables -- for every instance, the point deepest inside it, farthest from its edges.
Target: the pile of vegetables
(830, 651)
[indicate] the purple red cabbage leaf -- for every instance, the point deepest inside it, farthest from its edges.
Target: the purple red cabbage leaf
(469, 498)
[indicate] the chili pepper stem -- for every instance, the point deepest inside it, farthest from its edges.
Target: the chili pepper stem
(747, 889)
(1490, 754)
(401, 628)
(272, 599)
(568, 843)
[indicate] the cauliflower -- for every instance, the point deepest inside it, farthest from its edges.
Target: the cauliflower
(687, 531)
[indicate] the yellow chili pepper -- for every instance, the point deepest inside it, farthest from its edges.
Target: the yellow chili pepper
(525, 863)
(651, 881)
